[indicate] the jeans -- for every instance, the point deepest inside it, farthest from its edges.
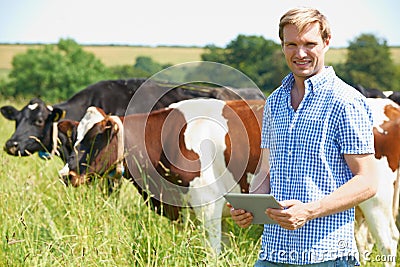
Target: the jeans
(339, 262)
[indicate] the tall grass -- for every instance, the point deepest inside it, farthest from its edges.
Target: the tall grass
(44, 223)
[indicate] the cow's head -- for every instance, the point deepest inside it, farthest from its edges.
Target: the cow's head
(98, 147)
(33, 127)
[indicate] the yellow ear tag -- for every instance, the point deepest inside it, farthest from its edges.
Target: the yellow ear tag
(115, 127)
(56, 117)
(69, 133)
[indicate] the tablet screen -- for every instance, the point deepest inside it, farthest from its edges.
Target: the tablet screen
(254, 203)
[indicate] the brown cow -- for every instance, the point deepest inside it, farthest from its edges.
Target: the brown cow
(187, 155)
(379, 211)
(387, 144)
(387, 136)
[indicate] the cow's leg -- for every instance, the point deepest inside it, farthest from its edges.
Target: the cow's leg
(364, 241)
(379, 217)
(211, 216)
(396, 194)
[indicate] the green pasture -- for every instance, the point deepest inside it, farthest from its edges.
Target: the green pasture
(44, 223)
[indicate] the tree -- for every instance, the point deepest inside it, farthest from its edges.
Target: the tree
(128, 71)
(147, 65)
(55, 72)
(369, 63)
(260, 59)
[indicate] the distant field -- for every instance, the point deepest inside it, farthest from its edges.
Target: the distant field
(396, 55)
(122, 55)
(335, 56)
(112, 55)
(116, 55)
(7, 52)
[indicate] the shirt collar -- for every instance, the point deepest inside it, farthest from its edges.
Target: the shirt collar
(314, 83)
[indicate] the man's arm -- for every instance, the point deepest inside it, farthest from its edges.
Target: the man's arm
(361, 187)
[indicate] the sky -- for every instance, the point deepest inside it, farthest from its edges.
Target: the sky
(185, 22)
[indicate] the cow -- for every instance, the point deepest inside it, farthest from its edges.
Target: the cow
(395, 96)
(192, 152)
(376, 93)
(387, 136)
(141, 134)
(35, 131)
(370, 92)
(381, 210)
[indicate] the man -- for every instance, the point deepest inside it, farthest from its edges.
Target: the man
(317, 154)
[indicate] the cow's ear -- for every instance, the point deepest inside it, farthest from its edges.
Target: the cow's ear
(57, 114)
(68, 127)
(10, 113)
(110, 124)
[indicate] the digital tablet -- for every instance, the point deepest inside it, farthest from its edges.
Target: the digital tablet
(254, 203)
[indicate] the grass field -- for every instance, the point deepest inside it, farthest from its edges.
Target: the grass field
(44, 223)
(126, 55)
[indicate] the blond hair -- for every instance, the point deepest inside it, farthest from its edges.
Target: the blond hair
(301, 18)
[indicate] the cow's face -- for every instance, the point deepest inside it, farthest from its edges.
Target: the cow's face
(95, 151)
(33, 125)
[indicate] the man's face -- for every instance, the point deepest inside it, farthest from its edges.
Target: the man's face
(304, 52)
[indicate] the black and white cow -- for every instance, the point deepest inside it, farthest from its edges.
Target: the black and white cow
(34, 123)
(35, 131)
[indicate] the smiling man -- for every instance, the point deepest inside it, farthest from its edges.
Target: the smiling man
(318, 154)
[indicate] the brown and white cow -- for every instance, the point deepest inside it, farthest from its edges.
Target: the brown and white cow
(381, 210)
(187, 150)
(187, 155)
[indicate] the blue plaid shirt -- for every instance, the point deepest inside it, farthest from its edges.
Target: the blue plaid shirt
(307, 163)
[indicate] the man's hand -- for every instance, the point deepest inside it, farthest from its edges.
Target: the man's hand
(294, 216)
(241, 217)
